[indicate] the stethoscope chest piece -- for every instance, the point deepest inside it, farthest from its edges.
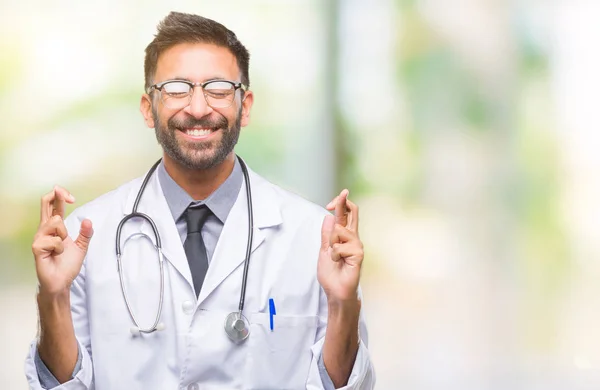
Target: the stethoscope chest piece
(237, 327)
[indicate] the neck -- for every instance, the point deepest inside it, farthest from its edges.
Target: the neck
(199, 183)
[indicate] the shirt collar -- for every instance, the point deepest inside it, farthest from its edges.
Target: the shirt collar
(219, 202)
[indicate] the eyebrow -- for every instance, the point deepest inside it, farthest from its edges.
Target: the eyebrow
(205, 81)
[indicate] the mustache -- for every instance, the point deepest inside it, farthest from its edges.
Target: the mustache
(209, 123)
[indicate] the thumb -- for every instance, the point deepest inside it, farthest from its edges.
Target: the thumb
(326, 230)
(85, 235)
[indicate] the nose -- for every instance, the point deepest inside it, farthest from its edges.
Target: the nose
(198, 107)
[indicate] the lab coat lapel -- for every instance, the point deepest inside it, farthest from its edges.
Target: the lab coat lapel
(154, 204)
(230, 251)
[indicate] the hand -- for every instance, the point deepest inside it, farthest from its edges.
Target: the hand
(341, 254)
(58, 258)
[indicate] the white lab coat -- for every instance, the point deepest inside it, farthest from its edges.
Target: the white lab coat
(193, 352)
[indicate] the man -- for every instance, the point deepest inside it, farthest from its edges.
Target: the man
(302, 297)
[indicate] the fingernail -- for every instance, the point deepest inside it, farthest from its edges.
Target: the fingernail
(72, 197)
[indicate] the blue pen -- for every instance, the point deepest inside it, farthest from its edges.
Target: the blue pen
(272, 312)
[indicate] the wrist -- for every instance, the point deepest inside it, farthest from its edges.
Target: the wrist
(53, 299)
(341, 297)
(337, 307)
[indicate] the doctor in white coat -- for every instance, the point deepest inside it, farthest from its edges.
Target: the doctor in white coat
(302, 298)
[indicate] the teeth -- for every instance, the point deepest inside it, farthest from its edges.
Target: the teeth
(197, 133)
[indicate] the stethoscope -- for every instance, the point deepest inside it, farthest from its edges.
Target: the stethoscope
(236, 325)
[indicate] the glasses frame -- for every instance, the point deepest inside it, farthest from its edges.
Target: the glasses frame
(159, 87)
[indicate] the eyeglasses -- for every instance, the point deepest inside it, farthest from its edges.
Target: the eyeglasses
(177, 94)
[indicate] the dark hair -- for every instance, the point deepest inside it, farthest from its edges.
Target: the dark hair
(179, 28)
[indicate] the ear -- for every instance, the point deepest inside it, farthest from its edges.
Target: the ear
(247, 101)
(146, 110)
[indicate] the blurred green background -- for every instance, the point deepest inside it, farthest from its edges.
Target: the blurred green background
(466, 130)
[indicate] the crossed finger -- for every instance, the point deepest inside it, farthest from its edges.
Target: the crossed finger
(53, 203)
(346, 211)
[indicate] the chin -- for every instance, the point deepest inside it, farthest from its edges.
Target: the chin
(206, 161)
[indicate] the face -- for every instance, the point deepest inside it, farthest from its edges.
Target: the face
(197, 136)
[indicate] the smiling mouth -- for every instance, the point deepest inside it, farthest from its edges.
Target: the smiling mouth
(198, 132)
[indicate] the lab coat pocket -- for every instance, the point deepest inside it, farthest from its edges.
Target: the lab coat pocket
(279, 358)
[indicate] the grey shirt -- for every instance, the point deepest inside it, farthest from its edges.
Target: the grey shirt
(220, 203)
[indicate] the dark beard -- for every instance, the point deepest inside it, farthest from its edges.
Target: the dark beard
(197, 155)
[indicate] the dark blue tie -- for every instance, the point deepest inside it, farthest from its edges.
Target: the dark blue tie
(194, 245)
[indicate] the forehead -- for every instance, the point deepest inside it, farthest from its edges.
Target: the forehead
(196, 62)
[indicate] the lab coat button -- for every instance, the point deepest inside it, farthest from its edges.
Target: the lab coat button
(194, 386)
(188, 307)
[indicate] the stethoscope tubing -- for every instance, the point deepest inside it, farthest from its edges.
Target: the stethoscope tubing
(135, 214)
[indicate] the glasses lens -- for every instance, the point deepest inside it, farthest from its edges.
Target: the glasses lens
(219, 93)
(176, 94)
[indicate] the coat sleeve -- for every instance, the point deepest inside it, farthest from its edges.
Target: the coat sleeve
(84, 378)
(362, 376)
